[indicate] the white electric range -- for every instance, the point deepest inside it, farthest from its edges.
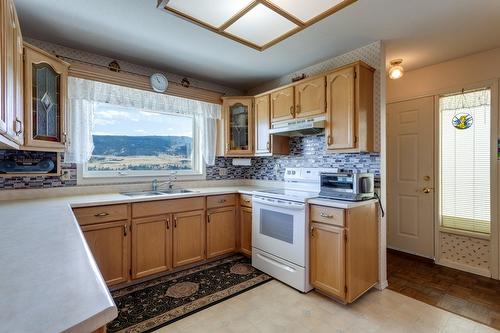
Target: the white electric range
(280, 233)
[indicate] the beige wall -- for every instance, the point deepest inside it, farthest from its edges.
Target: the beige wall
(444, 76)
(450, 76)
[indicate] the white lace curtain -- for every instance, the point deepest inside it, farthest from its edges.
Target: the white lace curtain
(85, 94)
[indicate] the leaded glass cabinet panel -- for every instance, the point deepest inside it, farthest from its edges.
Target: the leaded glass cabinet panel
(239, 123)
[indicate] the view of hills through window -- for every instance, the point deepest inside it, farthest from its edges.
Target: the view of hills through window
(128, 139)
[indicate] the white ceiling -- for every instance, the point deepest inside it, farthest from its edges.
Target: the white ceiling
(422, 32)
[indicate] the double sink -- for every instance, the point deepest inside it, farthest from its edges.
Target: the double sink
(156, 193)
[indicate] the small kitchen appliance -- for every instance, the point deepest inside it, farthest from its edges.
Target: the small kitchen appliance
(349, 186)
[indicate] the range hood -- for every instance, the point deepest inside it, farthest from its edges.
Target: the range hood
(299, 127)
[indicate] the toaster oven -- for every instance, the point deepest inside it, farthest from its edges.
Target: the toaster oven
(350, 186)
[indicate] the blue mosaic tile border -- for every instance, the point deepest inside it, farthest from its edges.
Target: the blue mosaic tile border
(306, 151)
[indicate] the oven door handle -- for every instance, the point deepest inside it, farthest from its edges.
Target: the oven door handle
(275, 203)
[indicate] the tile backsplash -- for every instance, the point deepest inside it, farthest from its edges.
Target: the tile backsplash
(306, 151)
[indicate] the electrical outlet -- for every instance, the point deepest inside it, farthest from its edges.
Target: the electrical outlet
(222, 172)
(65, 175)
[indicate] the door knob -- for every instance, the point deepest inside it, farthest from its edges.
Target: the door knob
(427, 190)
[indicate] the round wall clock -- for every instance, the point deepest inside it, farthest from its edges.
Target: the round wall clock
(159, 82)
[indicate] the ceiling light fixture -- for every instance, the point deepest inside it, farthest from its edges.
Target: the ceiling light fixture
(396, 71)
(258, 24)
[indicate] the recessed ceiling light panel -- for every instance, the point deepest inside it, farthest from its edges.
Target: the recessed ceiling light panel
(306, 10)
(213, 12)
(260, 26)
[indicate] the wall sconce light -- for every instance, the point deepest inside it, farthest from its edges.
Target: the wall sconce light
(396, 70)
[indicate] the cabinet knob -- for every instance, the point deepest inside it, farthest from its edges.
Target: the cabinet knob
(329, 140)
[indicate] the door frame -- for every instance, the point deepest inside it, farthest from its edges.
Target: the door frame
(494, 237)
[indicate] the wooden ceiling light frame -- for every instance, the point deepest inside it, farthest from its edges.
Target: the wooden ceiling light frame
(301, 25)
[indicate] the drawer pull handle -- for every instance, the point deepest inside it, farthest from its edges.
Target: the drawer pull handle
(222, 200)
(328, 216)
(125, 227)
(101, 214)
(247, 201)
(208, 216)
(168, 224)
(175, 222)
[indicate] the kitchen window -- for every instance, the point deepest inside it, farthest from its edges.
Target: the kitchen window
(118, 134)
(133, 142)
(465, 161)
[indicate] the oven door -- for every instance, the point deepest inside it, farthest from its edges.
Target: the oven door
(279, 228)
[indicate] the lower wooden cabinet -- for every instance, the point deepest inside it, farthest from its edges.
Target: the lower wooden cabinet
(151, 245)
(246, 230)
(221, 231)
(344, 254)
(327, 259)
(110, 244)
(188, 237)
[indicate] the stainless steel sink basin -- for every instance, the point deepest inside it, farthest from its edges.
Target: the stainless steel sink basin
(142, 193)
(155, 193)
(177, 191)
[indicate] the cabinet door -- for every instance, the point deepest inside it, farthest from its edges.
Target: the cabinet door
(341, 127)
(221, 231)
(151, 245)
(282, 107)
(327, 259)
(246, 230)
(17, 122)
(239, 126)
(109, 244)
(310, 98)
(262, 125)
(45, 106)
(7, 62)
(189, 237)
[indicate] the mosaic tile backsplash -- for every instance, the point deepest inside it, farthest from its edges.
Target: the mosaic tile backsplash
(304, 152)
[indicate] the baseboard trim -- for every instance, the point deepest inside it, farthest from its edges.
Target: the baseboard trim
(463, 267)
(382, 285)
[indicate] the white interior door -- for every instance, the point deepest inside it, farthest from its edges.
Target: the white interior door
(410, 173)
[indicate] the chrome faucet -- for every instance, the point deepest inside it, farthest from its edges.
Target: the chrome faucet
(155, 185)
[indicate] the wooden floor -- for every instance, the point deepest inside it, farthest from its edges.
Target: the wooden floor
(465, 294)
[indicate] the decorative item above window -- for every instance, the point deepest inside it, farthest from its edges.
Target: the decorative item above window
(258, 24)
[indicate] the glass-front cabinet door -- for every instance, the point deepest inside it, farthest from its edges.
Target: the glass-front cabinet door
(239, 122)
(45, 89)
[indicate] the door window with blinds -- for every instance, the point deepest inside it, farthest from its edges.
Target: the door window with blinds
(465, 161)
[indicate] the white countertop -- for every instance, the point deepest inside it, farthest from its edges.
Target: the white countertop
(340, 203)
(49, 281)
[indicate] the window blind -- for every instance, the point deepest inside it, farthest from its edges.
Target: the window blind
(465, 162)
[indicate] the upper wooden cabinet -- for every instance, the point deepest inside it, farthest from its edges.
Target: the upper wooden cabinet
(11, 77)
(282, 104)
(310, 97)
(238, 126)
(45, 100)
(266, 144)
(349, 96)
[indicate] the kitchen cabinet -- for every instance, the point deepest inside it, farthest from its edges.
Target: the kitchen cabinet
(110, 244)
(343, 250)
(238, 126)
(151, 245)
(246, 224)
(45, 90)
(221, 231)
(310, 99)
(282, 104)
(11, 77)
(189, 235)
(349, 95)
(266, 144)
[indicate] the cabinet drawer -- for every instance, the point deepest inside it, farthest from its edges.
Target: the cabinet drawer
(215, 201)
(245, 200)
(329, 215)
(99, 214)
(159, 207)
